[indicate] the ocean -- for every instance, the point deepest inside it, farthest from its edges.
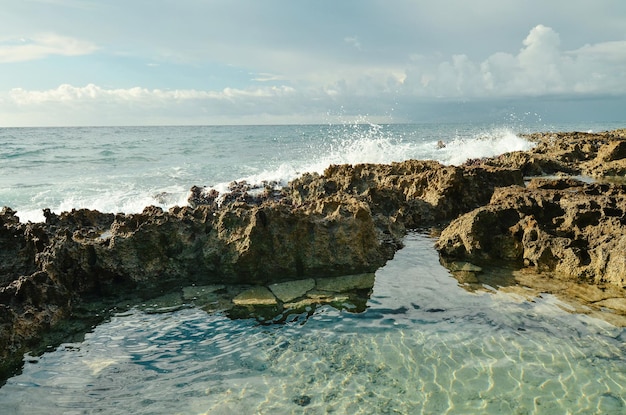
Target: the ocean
(424, 343)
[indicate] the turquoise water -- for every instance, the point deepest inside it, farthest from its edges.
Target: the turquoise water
(424, 345)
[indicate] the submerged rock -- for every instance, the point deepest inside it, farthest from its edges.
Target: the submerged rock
(346, 283)
(290, 290)
(202, 292)
(284, 301)
(256, 296)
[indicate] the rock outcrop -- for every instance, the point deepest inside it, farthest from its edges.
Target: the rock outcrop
(594, 155)
(350, 220)
(413, 193)
(573, 229)
(569, 227)
(47, 268)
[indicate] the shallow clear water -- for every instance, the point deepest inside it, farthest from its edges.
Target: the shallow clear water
(424, 345)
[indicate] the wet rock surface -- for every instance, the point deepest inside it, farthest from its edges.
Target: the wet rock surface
(348, 221)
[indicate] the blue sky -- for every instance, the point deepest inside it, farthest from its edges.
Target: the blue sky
(139, 62)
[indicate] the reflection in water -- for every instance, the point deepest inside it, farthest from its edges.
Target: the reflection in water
(424, 344)
(606, 302)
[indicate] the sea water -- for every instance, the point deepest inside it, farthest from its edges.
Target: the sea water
(124, 169)
(424, 343)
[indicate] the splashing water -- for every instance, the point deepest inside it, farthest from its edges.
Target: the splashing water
(373, 143)
(424, 345)
(492, 143)
(124, 169)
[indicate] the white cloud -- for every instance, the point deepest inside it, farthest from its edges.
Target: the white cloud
(267, 77)
(608, 51)
(96, 105)
(303, 88)
(540, 67)
(41, 46)
(68, 94)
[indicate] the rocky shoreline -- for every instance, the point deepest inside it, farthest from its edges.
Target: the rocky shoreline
(349, 221)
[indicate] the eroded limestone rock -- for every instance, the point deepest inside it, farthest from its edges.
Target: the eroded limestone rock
(346, 283)
(256, 296)
(410, 194)
(201, 292)
(575, 229)
(598, 155)
(349, 220)
(48, 268)
(290, 290)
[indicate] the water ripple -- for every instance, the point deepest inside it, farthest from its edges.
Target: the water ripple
(412, 351)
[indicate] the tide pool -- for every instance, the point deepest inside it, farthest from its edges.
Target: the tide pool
(424, 344)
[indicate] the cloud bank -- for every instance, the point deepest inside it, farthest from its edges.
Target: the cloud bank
(541, 67)
(308, 92)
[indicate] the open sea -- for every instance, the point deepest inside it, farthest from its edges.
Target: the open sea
(424, 344)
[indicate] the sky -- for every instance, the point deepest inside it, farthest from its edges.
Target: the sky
(187, 62)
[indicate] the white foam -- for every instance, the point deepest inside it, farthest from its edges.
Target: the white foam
(347, 144)
(30, 215)
(489, 144)
(371, 143)
(354, 144)
(123, 199)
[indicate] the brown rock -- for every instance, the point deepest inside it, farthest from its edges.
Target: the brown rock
(572, 228)
(591, 154)
(290, 290)
(349, 220)
(613, 150)
(410, 194)
(346, 283)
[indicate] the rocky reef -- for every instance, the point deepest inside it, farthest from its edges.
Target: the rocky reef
(564, 230)
(570, 224)
(563, 226)
(596, 155)
(347, 221)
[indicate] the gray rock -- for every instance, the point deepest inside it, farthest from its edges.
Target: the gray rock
(201, 292)
(345, 283)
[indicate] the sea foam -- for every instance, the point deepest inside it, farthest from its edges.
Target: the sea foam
(158, 166)
(489, 144)
(372, 143)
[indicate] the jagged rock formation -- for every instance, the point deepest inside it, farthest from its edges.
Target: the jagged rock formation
(413, 193)
(577, 153)
(562, 232)
(348, 221)
(573, 229)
